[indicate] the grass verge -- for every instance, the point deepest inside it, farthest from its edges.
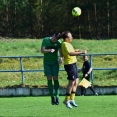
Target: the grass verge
(88, 106)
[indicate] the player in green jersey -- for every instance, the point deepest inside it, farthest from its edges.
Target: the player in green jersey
(50, 48)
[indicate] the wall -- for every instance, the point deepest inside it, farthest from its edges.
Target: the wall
(22, 91)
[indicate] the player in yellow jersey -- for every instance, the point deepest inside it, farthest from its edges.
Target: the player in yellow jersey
(69, 55)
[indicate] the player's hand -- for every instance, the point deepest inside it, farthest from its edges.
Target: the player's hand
(52, 50)
(84, 51)
(86, 75)
(60, 60)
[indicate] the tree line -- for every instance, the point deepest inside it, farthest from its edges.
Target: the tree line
(40, 18)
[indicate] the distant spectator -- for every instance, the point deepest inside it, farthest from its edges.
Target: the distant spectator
(86, 69)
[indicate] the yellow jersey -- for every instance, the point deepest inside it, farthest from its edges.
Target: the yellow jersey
(66, 48)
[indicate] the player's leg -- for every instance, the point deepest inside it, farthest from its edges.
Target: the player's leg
(48, 73)
(73, 92)
(56, 87)
(55, 71)
(75, 84)
(68, 69)
(68, 93)
(50, 87)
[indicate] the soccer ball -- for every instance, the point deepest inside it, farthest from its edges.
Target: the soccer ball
(76, 11)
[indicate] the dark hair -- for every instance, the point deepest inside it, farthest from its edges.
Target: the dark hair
(58, 35)
(65, 34)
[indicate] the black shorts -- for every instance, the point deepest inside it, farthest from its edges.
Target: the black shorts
(72, 71)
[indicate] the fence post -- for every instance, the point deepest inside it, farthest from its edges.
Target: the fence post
(21, 68)
(92, 77)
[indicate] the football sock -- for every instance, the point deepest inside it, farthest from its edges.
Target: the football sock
(67, 97)
(50, 87)
(72, 95)
(56, 87)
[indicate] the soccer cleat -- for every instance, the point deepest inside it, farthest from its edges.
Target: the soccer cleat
(68, 105)
(57, 101)
(96, 94)
(52, 100)
(81, 95)
(72, 102)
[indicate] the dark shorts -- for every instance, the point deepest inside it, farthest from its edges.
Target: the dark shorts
(51, 69)
(72, 71)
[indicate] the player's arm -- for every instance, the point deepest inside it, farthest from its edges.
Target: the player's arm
(44, 50)
(61, 56)
(77, 53)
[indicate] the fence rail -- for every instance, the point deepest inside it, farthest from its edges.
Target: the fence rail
(61, 69)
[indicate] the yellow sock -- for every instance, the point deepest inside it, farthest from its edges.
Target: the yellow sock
(67, 98)
(72, 96)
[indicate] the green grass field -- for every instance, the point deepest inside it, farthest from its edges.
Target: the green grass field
(31, 47)
(88, 106)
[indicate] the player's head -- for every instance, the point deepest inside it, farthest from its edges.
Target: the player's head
(85, 57)
(67, 36)
(56, 37)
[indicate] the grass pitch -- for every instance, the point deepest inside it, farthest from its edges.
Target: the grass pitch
(88, 106)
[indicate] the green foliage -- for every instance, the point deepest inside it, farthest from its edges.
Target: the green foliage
(38, 18)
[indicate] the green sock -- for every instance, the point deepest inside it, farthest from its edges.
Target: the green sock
(50, 87)
(56, 87)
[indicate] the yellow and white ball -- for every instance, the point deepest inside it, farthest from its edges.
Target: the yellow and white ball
(76, 11)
